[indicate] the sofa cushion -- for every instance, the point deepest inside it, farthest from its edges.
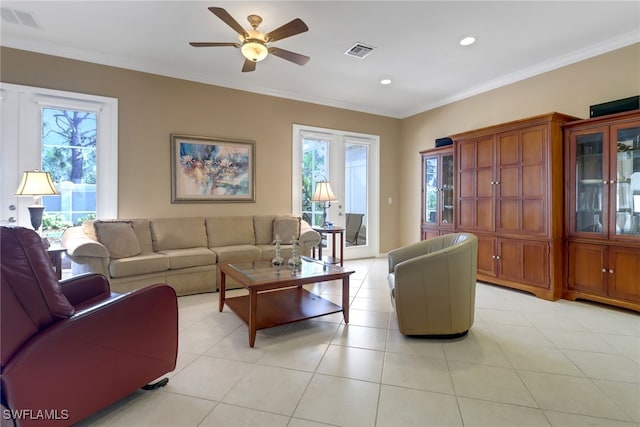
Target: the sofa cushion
(236, 253)
(230, 230)
(118, 237)
(287, 228)
(178, 233)
(191, 257)
(263, 227)
(141, 264)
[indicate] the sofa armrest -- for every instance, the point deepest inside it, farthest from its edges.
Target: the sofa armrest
(84, 288)
(78, 244)
(309, 238)
(308, 234)
(97, 356)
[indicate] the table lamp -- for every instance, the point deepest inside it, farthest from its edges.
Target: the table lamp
(37, 184)
(324, 194)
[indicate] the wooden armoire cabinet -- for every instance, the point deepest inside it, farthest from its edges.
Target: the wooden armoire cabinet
(603, 209)
(437, 192)
(509, 192)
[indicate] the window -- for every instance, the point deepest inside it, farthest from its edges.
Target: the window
(71, 135)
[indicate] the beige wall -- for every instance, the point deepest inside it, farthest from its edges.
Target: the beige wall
(151, 107)
(570, 90)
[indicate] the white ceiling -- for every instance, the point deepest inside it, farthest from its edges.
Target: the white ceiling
(416, 44)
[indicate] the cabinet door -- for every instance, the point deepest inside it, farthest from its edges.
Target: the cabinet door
(624, 180)
(446, 190)
(589, 191)
(587, 268)
(476, 182)
(429, 233)
(624, 273)
(524, 261)
(523, 181)
(430, 189)
(487, 256)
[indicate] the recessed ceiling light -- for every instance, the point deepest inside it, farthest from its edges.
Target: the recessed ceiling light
(467, 41)
(385, 82)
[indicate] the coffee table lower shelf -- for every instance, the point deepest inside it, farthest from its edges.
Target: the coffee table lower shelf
(282, 306)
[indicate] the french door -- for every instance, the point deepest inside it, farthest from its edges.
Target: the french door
(42, 129)
(348, 161)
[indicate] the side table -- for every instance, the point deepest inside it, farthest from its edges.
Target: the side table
(333, 231)
(55, 255)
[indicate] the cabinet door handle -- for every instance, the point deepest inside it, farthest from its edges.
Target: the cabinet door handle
(613, 181)
(604, 270)
(605, 182)
(497, 256)
(611, 271)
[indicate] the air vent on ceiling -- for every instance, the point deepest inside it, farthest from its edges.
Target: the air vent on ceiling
(14, 16)
(359, 50)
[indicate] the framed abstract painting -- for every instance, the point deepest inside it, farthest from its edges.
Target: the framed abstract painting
(207, 169)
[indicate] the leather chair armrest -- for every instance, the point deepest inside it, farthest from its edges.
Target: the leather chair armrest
(84, 288)
(405, 253)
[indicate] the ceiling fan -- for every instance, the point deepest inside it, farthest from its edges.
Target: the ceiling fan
(254, 44)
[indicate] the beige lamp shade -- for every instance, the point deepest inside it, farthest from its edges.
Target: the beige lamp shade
(323, 193)
(36, 183)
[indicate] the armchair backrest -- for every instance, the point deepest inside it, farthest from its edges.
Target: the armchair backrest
(30, 296)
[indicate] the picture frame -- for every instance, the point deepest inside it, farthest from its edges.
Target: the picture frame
(209, 170)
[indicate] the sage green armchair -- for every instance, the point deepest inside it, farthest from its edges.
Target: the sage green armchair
(433, 285)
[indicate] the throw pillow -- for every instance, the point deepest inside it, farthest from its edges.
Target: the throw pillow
(287, 228)
(118, 237)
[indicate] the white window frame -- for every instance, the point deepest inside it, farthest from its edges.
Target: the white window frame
(22, 140)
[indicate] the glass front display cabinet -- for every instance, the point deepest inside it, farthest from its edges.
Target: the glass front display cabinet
(603, 216)
(437, 192)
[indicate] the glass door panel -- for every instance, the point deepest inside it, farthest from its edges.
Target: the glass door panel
(589, 183)
(447, 189)
(431, 190)
(356, 170)
(627, 167)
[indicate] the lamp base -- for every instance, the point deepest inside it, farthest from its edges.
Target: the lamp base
(35, 212)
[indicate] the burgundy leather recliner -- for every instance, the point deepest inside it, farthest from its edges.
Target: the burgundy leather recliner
(69, 349)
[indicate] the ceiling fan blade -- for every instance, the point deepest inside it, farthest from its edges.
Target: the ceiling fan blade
(249, 65)
(289, 56)
(289, 29)
(228, 19)
(213, 44)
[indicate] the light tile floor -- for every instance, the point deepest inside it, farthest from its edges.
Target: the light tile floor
(525, 362)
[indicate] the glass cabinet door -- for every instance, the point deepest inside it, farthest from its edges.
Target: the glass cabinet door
(447, 189)
(589, 183)
(430, 168)
(625, 164)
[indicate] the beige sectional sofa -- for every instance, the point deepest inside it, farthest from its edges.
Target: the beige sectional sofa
(182, 252)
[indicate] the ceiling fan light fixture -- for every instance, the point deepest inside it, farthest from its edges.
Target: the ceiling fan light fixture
(469, 40)
(254, 50)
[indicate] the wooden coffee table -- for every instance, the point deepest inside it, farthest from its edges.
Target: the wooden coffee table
(276, 295)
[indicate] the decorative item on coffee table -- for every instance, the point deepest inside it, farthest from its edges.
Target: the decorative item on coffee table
(294, 261)
(277, 259)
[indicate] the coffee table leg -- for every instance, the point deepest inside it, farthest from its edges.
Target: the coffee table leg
(253, 303)
(223, 287)
(345, 298)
